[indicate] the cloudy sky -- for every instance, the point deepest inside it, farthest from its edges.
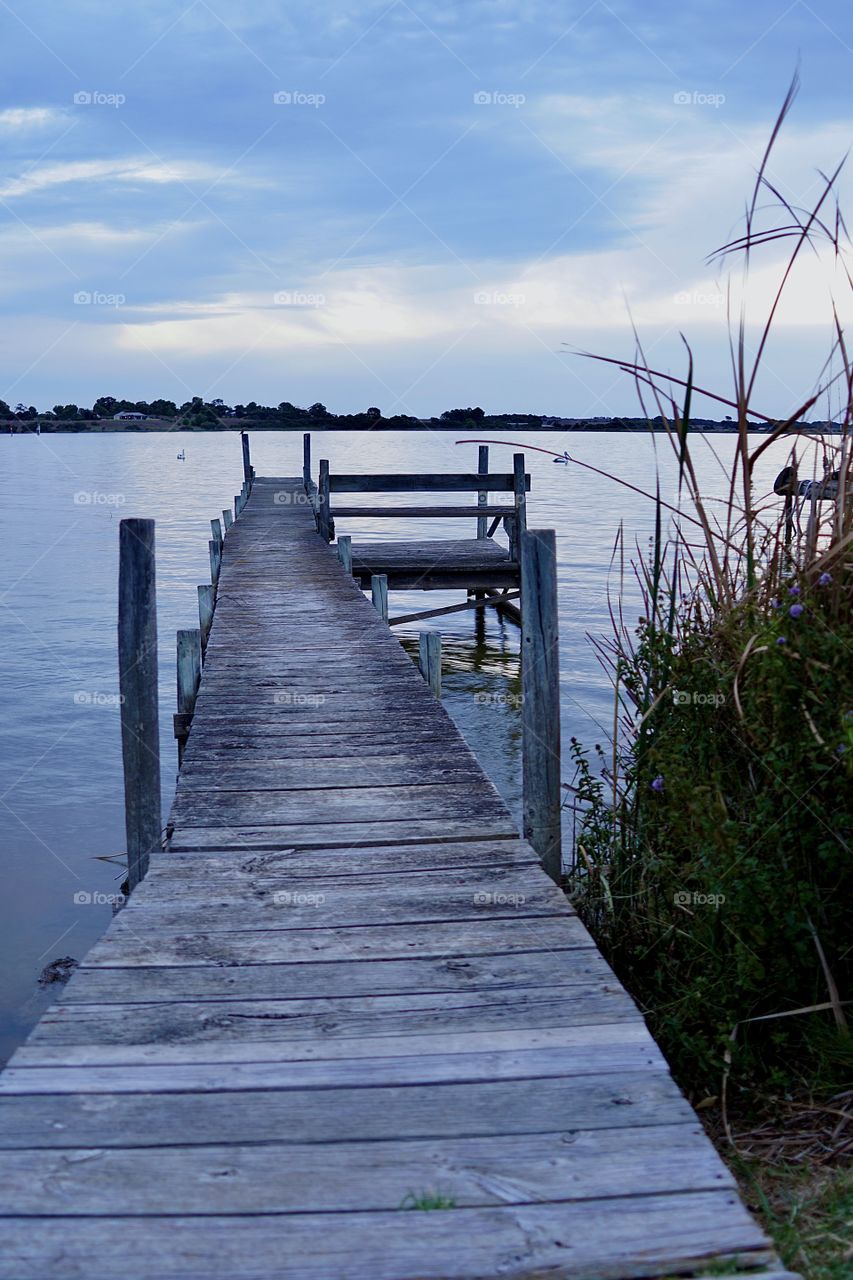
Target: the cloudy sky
(411, 204)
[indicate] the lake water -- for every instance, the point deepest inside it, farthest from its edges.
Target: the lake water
(61, 804)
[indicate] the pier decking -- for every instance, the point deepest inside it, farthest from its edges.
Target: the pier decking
(346, 1028)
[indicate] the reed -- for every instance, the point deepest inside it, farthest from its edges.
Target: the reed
(712, 852)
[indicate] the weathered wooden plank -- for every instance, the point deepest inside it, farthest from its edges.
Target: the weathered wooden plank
(449, 938)
(374, 513)
(345, 834)
(347, 1115)
(285, 1020)
(611, 1239)
(347, 1177)
(437, 1068)
(407, 482)
(495, 974)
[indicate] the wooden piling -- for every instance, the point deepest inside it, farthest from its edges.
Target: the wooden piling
(482, 497)
(189, 678)
(519, 523)
(216, 531)
(345, 551)
(137, 663)
(540, 711)
(228, 519)
(215, 549)
(247, 462)
(324, 520)
(429, 659)
(379, 594)
(206, 601)
(306, 461)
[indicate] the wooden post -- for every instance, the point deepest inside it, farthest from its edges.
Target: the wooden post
(323, 512)
(247, 464)
(379, 594)
(216, 530)
(237, 506)
(306, 461)
(345, 551)
(519, 523)
(206, 602)
(429, 659)
(215, 549)
(137, 667)
(189, 677)
(483, 497)
(540, 707)
(228, 519)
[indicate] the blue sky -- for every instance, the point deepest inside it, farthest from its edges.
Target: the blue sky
(415, 205)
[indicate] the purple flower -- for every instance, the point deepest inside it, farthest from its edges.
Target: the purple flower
(781, 640)
(794, 591)
(824, 580)
(795, 611)
(657, 783)
(775, 603)
(840, 749)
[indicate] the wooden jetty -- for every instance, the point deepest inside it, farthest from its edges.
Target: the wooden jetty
(345, 1027)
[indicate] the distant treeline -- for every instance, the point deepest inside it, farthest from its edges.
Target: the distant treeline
(198, 414)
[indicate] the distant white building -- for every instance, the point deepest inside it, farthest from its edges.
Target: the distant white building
(130, 413)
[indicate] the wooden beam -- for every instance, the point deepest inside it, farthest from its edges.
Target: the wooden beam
(493, 598)
(379, 594)
(137, 665)
(206, 603)
(429, 658)
(482, 496)
(436, 482)
(306, 461)
(247, 464)
(540, 709)
(345, 551)
(500, 511)
(324, 515)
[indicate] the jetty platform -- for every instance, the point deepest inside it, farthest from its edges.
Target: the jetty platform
(346, 1027)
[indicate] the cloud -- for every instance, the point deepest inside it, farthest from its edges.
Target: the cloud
(28, 117)
(126, 171)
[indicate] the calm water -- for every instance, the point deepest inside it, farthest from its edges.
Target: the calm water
(61, 812)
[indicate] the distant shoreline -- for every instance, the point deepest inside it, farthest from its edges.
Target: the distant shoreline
(154, 426)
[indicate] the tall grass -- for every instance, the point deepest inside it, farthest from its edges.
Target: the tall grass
(713, 856)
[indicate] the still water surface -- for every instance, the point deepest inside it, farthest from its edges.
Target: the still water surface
(61, 802)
